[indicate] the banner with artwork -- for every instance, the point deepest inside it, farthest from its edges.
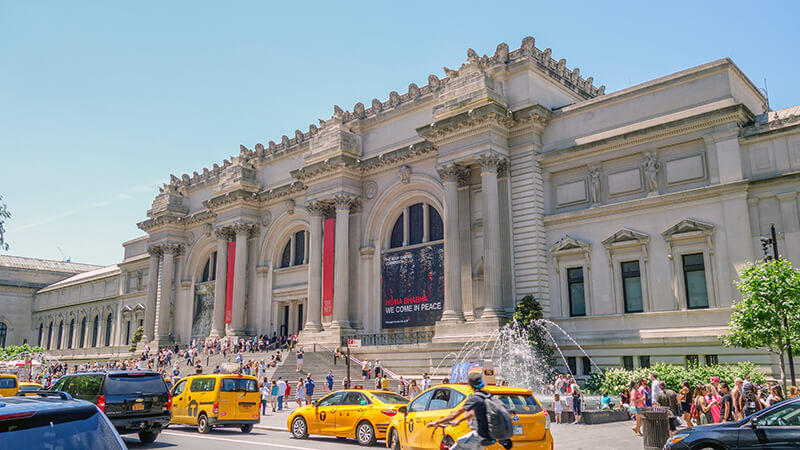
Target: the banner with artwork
(412, 286)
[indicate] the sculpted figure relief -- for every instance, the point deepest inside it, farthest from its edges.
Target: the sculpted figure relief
(651, 172)
(594, 173)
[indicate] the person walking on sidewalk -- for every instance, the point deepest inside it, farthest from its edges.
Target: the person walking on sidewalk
(329, 380)
(265, 397)
(309, 387)
(273, 395)
(299, 394)
(281, 393)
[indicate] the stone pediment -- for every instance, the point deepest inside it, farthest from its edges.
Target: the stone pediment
(333, 139)
(168, 201)
(626, 236)
(688, 228)
(569, 244)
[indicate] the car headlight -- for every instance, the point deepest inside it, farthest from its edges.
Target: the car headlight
(677, 438)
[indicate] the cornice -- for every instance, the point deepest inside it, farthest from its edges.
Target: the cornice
(490, 117)
(736, 113)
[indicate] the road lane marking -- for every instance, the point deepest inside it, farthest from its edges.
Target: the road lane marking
(238, 441)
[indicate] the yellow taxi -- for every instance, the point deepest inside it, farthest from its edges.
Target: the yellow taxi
(351, 413)
(409, 429)
(218, 400)
(9, 386)
(29, 388)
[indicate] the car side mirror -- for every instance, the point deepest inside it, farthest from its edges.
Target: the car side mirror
(754, 422)
(402, 410)
(315, 403)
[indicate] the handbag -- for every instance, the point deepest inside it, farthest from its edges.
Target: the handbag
(694, 413)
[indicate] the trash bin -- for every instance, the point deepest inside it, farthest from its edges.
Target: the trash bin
(655, 420)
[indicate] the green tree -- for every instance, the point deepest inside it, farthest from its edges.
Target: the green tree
(528, 314)
(4, 214)
(770, 297)
(11, 352)
(137, 336)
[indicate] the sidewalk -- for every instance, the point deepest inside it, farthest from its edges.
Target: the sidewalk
(275, 421)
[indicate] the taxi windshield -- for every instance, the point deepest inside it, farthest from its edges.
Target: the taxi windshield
(520, 403)
(389, 397)
(238, 385)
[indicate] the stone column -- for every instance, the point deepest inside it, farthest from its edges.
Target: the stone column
(149, 332)
(314, 252)
(493, 290)
(243, 232)
(166, 283)
(220, 282)
(341, 263)
(451, 175)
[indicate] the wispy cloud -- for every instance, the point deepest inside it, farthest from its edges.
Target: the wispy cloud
(58, 216)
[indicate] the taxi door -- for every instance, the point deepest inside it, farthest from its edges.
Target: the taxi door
(179, 408)
(350, 412)
(325, 414)
(228, 398)
(201, 397)
(412, 426)
(442, 403)
(245, 399)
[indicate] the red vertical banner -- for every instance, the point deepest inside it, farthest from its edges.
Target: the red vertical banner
(329, 230)
(229, 280)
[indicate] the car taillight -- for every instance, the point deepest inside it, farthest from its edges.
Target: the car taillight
(444, 446)
(22, 415)
(101, 402)
(546, 421)
(389, 412)
(169, 401)
(216, 408)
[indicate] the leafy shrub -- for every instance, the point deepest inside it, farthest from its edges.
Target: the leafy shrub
(614, 380)
(11, 352)
(137, 336)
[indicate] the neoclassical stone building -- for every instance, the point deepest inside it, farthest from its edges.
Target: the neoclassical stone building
(420, 220)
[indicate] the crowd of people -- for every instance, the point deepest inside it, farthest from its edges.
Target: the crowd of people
(714, 402)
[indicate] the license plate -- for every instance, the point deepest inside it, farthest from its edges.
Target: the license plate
(137, 407)
(517, 429)
(247, 407)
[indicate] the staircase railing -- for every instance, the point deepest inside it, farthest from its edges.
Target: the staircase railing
(357, 361)
(403, 338)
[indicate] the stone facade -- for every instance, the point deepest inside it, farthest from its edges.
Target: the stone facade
(626, 214)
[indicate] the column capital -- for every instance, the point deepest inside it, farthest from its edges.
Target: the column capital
(454, 173)
(320, 208)
(172, 248)
(492, 162)
(224, 233)
(245, 229)
(155, 250)
(345, 202)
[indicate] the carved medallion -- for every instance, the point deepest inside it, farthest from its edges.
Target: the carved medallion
(370, 189)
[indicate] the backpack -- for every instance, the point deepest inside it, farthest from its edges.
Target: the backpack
(499, 418)
(694, 413)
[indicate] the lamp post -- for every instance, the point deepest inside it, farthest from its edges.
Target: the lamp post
(765, 244)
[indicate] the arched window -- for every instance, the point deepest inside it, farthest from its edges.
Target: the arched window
(95, 330)
(60, 333)
(41, 330)
(49, 335)
(108, 330)
(417, 224)
(3, 333)
(71, 332)
(210, 269)
(83, 333)
(294, 253)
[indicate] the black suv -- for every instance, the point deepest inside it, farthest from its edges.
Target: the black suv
(54, 420)
(135, 401)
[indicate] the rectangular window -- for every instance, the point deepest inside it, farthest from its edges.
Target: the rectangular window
(692, 360)
(632, 287)
(587, 366)
(572, 364)
(694, 277)
(577, 297)
(712, 360)
(627, 362)
(644, 361)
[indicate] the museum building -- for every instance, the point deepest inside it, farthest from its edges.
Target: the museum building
(418, 222)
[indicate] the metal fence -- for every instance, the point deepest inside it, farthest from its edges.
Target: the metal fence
(410, 337)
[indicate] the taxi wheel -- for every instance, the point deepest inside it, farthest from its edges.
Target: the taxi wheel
(247, 428)
(146, 437)
(394, 440)
(365, 434)
(299, 428)
(202, 424)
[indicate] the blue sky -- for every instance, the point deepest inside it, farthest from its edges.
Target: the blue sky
(101, 101)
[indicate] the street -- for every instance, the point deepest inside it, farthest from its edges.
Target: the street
(610, 436)
(188, 437)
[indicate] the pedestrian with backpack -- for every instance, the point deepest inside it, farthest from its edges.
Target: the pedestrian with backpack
(491, 415)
